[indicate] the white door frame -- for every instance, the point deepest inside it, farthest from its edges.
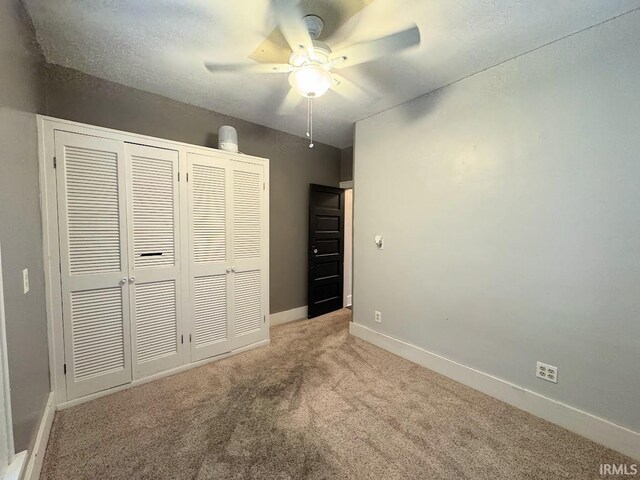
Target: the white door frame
(6, 424)
(347, 294)
(347, 297)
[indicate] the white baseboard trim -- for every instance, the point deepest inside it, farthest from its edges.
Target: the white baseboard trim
(157, 376)
(36, 458)
(288, 316)
(585, 424)
(14, 472)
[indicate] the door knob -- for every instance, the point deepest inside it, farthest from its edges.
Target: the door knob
(123, 281)
(315, 250)
(233, 269)
(132, 279)
(228, 269)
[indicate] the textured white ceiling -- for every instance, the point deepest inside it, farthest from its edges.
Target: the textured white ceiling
(159, 46)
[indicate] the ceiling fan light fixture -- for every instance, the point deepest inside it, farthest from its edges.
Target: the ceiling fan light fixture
(311, 81)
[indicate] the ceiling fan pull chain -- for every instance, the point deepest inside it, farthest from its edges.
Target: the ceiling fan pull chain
(310, 123)
(308, 114)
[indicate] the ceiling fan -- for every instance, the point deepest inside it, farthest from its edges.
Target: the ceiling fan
(312, 62)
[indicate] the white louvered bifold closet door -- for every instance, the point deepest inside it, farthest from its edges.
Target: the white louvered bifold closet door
(248, 258)
(94, 263)
(154, 279)
(209, 252)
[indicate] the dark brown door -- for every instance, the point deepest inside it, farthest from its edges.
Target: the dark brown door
(326, 249)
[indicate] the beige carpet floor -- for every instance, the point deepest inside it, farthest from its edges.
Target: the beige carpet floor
(317, 403)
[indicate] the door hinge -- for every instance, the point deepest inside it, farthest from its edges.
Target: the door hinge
(178, 176)
(65, 368)
(264, 185)
(55, 162)
(181, 338)
(189, 338)
(187, 176)
(264, 319)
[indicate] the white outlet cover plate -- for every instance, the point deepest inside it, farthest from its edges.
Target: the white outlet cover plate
(547, 372)
(377, 316)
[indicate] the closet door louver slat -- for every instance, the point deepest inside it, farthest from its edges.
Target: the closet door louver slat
(156, 321)
(247, 190)
(153, 210)
(92, 198)
(247, 302)
(210, 310)
(209, 213)
(98, 336)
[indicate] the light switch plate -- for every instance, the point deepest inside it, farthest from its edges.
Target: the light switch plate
(25, 280)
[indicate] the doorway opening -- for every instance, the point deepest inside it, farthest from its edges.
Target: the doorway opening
(330, 248)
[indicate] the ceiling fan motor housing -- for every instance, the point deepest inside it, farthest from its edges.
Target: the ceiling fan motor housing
(320, 56)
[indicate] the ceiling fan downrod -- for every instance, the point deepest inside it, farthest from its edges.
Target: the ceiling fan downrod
(314, 24)
(310, 121)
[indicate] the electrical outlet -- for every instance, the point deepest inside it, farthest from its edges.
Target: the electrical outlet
(377, 316)
(547, 372)
(25, 280)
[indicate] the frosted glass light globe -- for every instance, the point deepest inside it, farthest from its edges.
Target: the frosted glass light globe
(311, 81)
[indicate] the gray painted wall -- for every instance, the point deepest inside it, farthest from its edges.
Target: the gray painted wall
(510, 204)
(76, 96)
(346, 164)
(21, 94)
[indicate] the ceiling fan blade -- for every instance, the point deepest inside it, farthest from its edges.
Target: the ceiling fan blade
(290, 102)
(367, 51)
(294, 29)
(348, 89)
(248, 67)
